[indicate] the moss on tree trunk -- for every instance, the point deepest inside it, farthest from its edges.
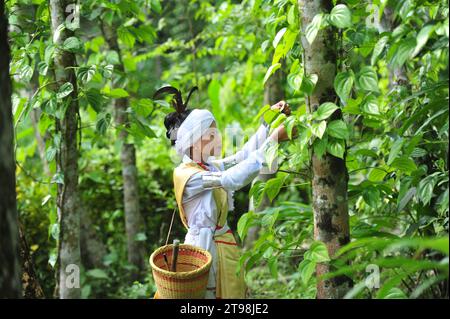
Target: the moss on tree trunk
(9, 235)
(67, 159)
(330, 176)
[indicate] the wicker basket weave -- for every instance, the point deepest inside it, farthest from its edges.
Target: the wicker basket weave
(191, 277)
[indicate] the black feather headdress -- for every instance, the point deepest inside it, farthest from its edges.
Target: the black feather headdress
(177, 100)
(173, 120)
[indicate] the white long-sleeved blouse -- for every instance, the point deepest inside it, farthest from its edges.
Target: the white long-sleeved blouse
(233, 173)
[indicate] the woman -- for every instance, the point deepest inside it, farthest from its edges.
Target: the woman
(204, 187)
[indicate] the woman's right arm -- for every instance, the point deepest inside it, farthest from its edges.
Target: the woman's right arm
(236, 176)
(254, 143)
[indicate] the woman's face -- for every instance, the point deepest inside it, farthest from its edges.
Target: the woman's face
(210, 144)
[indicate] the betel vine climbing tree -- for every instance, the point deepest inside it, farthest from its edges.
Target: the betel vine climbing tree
(371, 85)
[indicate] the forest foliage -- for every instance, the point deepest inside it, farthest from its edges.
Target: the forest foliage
(391, 87)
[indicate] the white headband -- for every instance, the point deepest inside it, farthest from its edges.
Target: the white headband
(192, 128)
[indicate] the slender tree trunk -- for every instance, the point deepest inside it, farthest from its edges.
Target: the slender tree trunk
(92, 247)
(133, 219)
(30, 283)
(9, 234)
(67, 161)
(330, 176)
(273, 92)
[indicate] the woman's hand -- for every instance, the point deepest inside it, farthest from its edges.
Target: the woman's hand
(283, 107)
(279, 134)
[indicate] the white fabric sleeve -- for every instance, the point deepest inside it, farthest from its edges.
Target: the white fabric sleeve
(231, 179)
(254, 143)
(193, 187)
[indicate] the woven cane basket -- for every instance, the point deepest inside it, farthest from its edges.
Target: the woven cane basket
(191, 276)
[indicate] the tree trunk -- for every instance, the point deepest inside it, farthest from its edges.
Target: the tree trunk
(30, 284)
(92, 248)
(330, 176)
(273, 92)
(67, 161)
(133, 219)
(9, 234)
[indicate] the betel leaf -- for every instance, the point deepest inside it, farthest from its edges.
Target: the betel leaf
(343, 83)
(325, 110)
(320, 146)
(95, 99)
(107, 70)
(370, 105)
(156, 6)
(289, 124)
(64, 90)
(368, 79)
(117, 93)
(289, 41)
(395, 293)
(403, 199)
(295, 80)
(336, 148)
(313, 28)
(278, 37)
(126, 37)
(292, 17)
(270, 115)
(395, 150)
(278, 121)
(72, 44)
(271, 70)
(353, 106)
(42, 68)
(261, 112)
(25, 72)
(378, 49)
(371, 196)
(50, 153)
(317, 252)
(425, 188)
(244, 224)
(49, 53)
(142, 126)
(422, 38)
(273, 186)
(309, 83)
(402, 52)
(338, 129)
(340, 16)
(103, 122)
(377, 174)
(319, 128)
(306, 269)
(257, 192)
(404, 164)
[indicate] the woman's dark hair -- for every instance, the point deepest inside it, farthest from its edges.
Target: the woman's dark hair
(173, 120)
